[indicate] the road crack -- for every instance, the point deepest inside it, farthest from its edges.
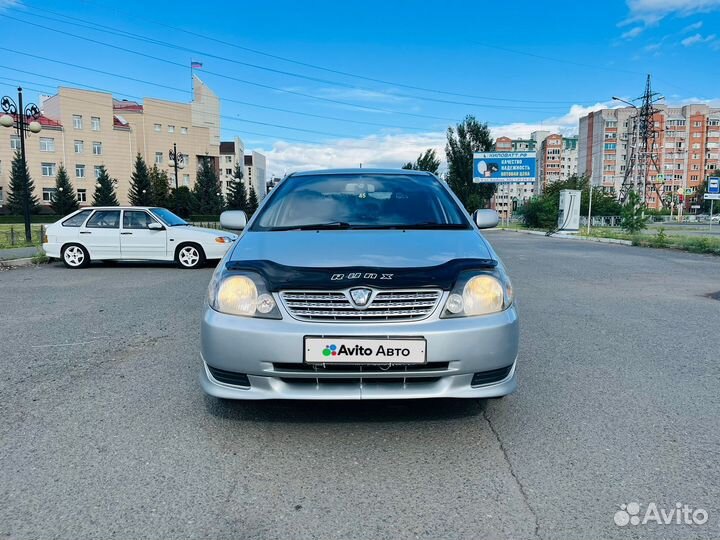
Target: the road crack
(520, 485)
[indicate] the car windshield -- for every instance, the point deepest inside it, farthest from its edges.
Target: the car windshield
(168, 218)
(360, 201)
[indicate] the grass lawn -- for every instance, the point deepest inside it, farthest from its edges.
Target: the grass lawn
(13, 235)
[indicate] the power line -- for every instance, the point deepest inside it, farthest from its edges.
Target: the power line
(285, 59)
(165, 44)
(185, 91)
(235, 79)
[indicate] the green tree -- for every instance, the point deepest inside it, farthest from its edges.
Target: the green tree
(634, 218)
(467, 137)
(159, 187)
(64, 200)
(427, 161)
(140, 193)
(207, 191)
(20, 183)
(237, 195)
(182, 201)
(105, 189)
(252, 203)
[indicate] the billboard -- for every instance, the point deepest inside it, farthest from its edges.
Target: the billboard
(502, 167)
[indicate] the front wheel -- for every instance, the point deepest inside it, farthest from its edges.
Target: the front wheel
(75, 256)
(190, 256)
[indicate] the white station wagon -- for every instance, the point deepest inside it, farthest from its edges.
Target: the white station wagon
(132, 233)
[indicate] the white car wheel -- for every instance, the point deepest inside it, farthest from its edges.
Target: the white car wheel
(190, 256)
(75, 256)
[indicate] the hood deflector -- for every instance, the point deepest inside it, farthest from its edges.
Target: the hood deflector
(281, 277)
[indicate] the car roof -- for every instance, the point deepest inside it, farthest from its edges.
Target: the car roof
(117, 207)
(360, 170)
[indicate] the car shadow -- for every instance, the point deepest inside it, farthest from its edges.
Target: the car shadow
(307, 412)
(130, 264)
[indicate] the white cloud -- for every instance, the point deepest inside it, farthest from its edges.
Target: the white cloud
(652, 11)
(4, 4)
(392, 150)
(632, 33)
(697, 38)
(692, 27)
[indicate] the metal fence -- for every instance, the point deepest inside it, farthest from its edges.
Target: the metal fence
(14, 235)
(601, 221)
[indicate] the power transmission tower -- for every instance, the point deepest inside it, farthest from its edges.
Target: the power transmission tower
(642, 173)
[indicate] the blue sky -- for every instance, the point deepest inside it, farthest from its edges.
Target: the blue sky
(519, 66)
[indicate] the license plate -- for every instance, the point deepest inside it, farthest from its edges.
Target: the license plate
(345, 350)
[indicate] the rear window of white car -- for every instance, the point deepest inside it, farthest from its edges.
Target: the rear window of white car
(104, 219)
(77, 220)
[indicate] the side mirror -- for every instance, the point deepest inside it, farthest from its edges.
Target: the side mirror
(486, 219)
(155, 226)
(235, 220)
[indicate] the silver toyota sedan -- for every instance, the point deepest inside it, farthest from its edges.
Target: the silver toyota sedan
(360, 284)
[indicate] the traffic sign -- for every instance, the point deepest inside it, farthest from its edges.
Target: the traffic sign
(689, 191)
(714, 184)
(712, 196)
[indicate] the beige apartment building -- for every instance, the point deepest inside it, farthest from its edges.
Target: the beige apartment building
(83, 130)
(687, 143)
(232, 153)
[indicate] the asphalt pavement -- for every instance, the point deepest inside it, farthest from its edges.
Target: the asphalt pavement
(105, 432)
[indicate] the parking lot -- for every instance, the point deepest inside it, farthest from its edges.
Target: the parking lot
(106, 433)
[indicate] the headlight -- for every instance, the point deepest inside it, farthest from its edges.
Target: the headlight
(479, 294)
(242, 294)
(223, 239)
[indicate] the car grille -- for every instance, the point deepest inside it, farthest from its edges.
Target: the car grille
(384, 306)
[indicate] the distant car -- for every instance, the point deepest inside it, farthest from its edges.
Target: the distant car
(132, 233)
(715, 218)
(360, 284)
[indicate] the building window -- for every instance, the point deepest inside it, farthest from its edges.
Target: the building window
(82, 195)
(97, 148)
(77, 121)
(47, 144)
(696, 135)
(80, 171)
(610, 146)
(171, 129)
(228, 159)
(186, 179)
(48, 169)
(95, 123)
(79, 147)
(2, 197)
(183, 130)
(158, 158)
(48, 193)
(697, 124)
(97, 171)
(14, 142)
(228, 172)
(157, 127)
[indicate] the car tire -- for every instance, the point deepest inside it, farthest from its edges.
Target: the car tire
(189, 256)
(75, 256)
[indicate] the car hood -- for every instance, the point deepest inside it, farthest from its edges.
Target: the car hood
(387, 249)
(195, 231)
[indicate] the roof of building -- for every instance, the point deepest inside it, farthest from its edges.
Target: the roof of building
(125, 105)
(227, 147)
(44, 121)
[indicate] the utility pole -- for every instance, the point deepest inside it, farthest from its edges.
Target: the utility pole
(176, 161)
(643, 151)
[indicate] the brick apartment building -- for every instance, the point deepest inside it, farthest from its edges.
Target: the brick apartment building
(557, 160)
(687, 144)
(84, 129)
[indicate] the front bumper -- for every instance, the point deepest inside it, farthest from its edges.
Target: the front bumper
(266, 350)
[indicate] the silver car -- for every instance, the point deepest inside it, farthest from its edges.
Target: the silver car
(360, 284)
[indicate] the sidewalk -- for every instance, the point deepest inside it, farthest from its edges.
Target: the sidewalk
(567, 236)
(18, 253)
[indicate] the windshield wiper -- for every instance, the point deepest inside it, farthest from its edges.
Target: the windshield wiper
(314, 226)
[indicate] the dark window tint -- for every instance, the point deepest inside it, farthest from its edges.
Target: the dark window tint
(105, 219)
(77, 220)
(360, 201)
(134, 219)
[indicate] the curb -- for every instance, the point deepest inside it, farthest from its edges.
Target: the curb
(16, 263)
(573, 237)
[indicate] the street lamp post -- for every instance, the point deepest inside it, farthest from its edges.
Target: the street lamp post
(176, 161)
(23, 119)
